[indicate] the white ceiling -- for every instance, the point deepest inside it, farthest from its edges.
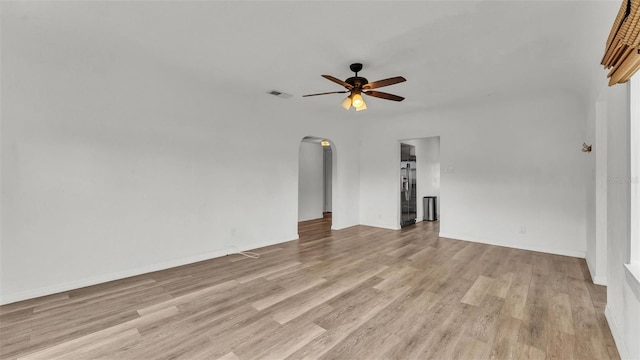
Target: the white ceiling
(450, 51)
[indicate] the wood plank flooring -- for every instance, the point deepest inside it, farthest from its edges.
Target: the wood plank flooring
(357, 293)
(315, 229)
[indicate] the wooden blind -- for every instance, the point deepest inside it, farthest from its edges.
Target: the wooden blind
(622, 54)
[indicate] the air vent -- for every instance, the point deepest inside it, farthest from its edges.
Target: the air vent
(279, 94)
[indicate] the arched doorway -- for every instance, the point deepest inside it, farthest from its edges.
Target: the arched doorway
(316, 171)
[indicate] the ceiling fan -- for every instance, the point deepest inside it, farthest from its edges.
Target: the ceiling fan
(357, 86)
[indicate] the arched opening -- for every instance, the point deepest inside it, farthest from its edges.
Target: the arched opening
(316, 174)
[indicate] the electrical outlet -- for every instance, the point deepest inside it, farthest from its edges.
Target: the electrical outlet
(523, 229)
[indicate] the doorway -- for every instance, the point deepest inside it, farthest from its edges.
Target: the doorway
(315, 187)
(420, 183)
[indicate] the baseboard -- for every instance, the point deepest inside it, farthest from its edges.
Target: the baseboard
(337, 224)
(312, 217)
(598, 280)
(380, 226)
(563, 252)
(615, 332)
(95, 280)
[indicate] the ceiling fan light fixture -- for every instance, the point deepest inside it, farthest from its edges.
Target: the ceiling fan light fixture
(356, 85)
(357, 100)
(346, 103)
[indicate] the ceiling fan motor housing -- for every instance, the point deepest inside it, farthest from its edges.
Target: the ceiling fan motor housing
(356, 81)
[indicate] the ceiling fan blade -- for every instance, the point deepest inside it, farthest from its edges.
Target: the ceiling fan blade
(338, 81)
(385, 82)
(325, 93)
(383, 95)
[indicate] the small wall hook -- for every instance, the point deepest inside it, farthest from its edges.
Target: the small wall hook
(586, 148)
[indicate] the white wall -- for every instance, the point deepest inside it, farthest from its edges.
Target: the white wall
(623, 306)
(590, 191)
(310, 181)
(596, 191)
(115, 163)
(511, 163)
(430, 151)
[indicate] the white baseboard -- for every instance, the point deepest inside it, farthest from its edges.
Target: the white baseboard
(381, 226)
(340, 226)
(90, 281)
(598, 280)
(615, 332)
(564, 252)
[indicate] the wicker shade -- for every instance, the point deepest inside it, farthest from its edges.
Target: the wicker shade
(622, 54)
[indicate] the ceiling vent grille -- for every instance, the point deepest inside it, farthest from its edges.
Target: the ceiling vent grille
(279, 94)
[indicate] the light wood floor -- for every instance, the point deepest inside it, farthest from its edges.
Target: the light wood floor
(359, 293)
(315, 229)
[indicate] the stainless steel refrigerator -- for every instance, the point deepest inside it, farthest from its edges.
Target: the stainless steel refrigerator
(408, 194)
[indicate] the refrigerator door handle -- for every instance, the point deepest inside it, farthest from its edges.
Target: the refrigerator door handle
(407, 191)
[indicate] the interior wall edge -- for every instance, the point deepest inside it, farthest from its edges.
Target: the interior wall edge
(632, 277)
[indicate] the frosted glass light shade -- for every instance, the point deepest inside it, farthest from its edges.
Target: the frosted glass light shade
(357, 101)
(362, 106)
(346, 103)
